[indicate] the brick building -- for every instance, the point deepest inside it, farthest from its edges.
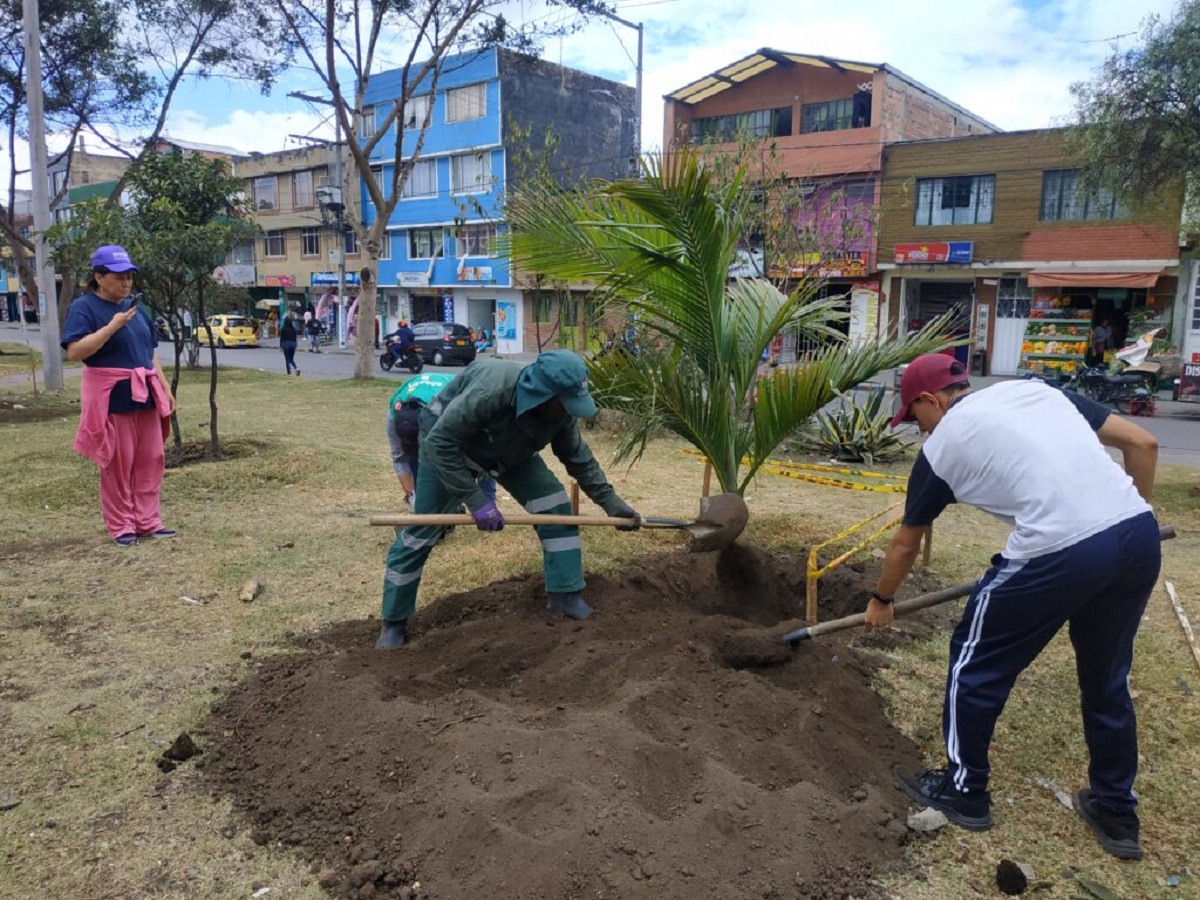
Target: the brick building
(998, 230)
(829, 121)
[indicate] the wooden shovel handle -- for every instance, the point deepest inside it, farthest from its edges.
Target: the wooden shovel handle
(1165, 533)
(509, 519)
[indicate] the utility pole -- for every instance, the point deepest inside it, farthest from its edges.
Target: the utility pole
(340, 213)
(636, 162)
(47, 299)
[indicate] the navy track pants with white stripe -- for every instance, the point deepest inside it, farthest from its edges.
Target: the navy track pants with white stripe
(1099, 586)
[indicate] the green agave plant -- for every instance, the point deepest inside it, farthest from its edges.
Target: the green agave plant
(662, 245)
(856, 432)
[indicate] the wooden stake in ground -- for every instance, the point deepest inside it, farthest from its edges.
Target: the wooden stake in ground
(1183, 620)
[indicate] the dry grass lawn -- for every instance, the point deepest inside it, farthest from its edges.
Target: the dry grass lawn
(106, 654)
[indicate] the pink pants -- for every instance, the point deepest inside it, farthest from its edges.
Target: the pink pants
(130, 485)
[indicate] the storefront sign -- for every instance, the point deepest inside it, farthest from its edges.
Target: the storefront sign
(447, 307)
(330, 279)
(922, 254)
(235, 274)
(412, 279)
(280, 281)
(475, 273)
(851, 264)
(506, 320)
(1189, 383)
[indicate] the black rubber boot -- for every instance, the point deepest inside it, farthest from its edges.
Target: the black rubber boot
(570, 604)
(393, 635)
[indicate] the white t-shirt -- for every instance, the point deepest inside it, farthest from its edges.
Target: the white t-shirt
(1026, 453)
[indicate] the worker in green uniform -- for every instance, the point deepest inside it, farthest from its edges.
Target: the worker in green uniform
(494, 419)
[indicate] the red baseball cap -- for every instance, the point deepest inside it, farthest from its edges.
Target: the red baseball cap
(927, 374)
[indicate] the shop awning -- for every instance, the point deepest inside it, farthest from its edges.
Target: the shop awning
(1098, 278)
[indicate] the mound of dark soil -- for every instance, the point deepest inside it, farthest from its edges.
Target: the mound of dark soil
(506, 753)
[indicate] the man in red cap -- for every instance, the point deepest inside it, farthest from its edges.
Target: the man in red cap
(1084, 551)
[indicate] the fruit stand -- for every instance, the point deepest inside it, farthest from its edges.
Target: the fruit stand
(1054, 340)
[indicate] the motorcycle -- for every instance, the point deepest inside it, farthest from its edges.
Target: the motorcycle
(1130, 392)
(409, 358)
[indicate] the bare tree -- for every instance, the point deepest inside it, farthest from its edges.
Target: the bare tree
(344, 38)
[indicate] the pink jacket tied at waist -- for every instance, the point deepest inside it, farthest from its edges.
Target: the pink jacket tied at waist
(94, 439)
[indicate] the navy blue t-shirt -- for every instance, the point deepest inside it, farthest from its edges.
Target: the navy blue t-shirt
(132, 347)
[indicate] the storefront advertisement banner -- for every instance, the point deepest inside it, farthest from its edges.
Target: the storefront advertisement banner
(851, 264)
(506, 320)
(330, 279)
(412, 279)
(279, 281)
(234, 274)
(920, 254)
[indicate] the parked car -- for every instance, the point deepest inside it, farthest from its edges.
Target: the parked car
(229, 331)
(443, 343)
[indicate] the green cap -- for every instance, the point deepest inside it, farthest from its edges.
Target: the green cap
(422, 387)
(556, 373)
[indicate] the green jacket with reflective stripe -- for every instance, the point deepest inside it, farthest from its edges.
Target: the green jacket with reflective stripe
(472, 426)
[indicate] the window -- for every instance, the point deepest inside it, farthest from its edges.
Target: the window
(475, 240)
(266, 193)
(425, 243)
(310, 242)
(466, 103)
(833, 115)
(422, 180)
(350, 242)
(366, 127)
(302, 190)
(385, 246)
(760, 123)
(377, 172)
(416, 109)
(543, 309)
(961, 200)
(274, 245)
(471, 174)
(1063, 199)
(1012, 297)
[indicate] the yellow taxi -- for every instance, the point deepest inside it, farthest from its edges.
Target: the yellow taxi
(228, 331)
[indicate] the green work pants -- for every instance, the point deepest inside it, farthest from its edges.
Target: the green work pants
(534, 487)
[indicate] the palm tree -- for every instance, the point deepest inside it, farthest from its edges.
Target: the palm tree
(663, 245)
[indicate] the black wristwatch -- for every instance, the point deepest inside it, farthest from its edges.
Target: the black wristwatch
(878, 597)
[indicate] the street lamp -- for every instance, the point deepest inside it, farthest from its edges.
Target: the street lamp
(333, 217)
(637, 116)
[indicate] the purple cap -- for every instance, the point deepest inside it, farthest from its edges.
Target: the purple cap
(113, 258)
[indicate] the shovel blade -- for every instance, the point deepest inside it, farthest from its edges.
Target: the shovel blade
(723, 518)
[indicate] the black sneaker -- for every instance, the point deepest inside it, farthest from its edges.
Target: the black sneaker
(1116, 833)
(933, 788)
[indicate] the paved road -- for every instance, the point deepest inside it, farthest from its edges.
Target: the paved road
(330, 363)
(1177, 425)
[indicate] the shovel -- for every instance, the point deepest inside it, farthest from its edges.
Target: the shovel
(722, 518)
(757, 647)
(792, 638)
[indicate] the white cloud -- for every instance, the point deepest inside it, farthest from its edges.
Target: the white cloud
(1008, 61)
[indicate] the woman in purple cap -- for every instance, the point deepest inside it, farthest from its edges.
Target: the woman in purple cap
(126, 402)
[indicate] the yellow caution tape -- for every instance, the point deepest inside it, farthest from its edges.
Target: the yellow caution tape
(814, 571)
(837, 482)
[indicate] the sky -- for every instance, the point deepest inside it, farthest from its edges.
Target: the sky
(1009, 61)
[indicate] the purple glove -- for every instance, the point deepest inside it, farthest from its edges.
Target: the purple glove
(488, 518)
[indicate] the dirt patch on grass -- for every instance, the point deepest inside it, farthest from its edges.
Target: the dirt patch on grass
(194, 451)
(41, 408)
(505, 752)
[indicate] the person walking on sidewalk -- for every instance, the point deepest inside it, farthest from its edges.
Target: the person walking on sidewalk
(126, 401)
(312, 330)
(287, 343)
(495, 418)
(1084, 552)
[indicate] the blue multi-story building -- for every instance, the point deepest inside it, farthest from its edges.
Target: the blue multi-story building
(492, 113)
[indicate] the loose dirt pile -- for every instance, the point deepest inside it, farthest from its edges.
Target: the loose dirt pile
(505, 753)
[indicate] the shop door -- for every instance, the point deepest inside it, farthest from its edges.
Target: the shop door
(1013, 296)
(1191, 345)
